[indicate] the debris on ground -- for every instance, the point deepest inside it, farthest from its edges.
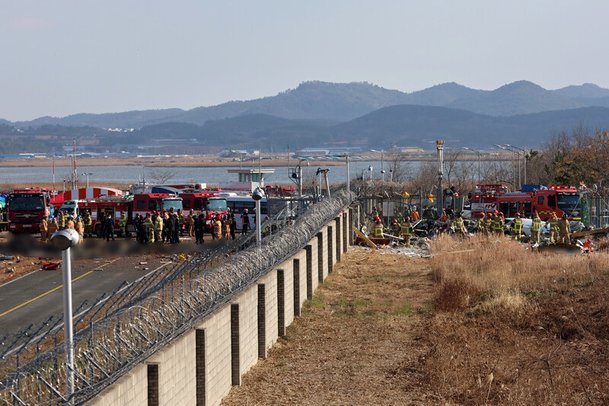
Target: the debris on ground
(143, 263)
(181, 257)
(6, 257)
(420, 248)
(50, 265)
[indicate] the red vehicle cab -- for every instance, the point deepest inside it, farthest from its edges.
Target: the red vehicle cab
(26, 208)
(205, 202)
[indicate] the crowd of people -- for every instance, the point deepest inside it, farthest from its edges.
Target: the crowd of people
(487, 223)
(166, 226)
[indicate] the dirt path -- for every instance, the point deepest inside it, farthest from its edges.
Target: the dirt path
(355, 343)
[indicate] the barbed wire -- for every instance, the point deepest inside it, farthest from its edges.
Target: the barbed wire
(129, 325)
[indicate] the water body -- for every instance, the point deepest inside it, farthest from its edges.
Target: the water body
(209, 175)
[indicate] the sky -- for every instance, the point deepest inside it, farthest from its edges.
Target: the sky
(65, 57)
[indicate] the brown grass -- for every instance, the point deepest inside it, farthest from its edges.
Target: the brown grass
(483, 322)
(518, 327)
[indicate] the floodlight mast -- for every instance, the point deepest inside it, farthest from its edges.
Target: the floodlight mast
(440, 194)
(64, 240)
(257, 195)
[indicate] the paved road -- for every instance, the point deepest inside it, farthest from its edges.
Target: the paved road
(33, 298)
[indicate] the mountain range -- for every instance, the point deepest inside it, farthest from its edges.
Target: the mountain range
(317, 113)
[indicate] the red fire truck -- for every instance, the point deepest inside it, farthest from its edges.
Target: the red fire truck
(199, 200)
(543, 200)
(130, 205)
(207, 203)
(27, 207)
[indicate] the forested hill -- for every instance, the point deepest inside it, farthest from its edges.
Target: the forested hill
(341, 102)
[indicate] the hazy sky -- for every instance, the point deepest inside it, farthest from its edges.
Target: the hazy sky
(63, 57)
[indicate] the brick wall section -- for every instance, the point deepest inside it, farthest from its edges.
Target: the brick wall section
(320, 256)
(177, 362)
(296, 283)
(280, 303)
(130, 389)
(309, 271)
(248, 328)
(200, 366)
(153, 384)
(217, 356)
(270, 290)
(261, 321)
(288, 287)
(339, 239)
(235, 345)
(176, 371)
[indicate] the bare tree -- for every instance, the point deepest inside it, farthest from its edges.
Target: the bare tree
(160, 176)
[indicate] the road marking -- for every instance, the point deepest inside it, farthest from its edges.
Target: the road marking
(76, 316)
(42, 295)
(21, 277)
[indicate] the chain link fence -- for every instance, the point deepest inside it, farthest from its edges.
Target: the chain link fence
(126, 327)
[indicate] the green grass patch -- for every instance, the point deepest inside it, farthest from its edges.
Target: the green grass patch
(405, 309)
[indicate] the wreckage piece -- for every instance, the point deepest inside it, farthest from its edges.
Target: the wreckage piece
(362, 237)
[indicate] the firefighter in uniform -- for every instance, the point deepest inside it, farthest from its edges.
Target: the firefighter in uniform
(87, 222)
(377, 228)
(414, 215)
(481, 224)
(191, 224)
(217, 228)
(44, 230)
(180, 222)
(80, 228)
(517, 227)
(148, 230)
(553, 229)
(488, 224)
(459, 226)
(395, 227)
(70, 223)
(158, 228)
(406, 231)
(564, 230)
(226, 227)
(497, 224)
(62, 219)
(535, 228)
(122, 224)
(53, 226)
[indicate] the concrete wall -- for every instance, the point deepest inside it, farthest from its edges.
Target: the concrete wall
(201, 366)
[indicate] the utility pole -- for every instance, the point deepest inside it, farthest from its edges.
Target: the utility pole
(440, 196)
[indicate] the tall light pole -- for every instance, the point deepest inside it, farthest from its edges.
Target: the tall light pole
(524, 159)
(440, 197)
(64, 240)
(346, 156)
(382, 152)
(506, 147)
(257, 195)
(87, 174)
(478, 154)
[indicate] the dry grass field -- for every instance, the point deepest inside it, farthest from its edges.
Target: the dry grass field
(484, 321)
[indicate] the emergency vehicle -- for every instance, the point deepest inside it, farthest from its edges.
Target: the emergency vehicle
(200, 201)
(130, 205)
(543, 200)
(27, 207)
